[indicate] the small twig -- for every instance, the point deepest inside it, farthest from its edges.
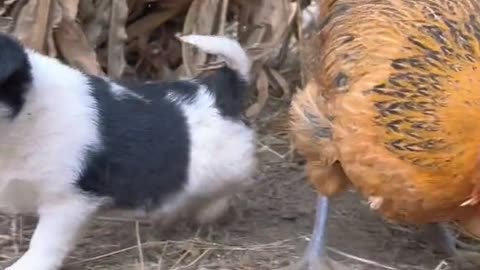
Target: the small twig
(15, 232)
(121, 219)
(265, 147)
(301, 42)
(365, 261)
(102, 256)
(20, 237)
(139, 245)
(194, 261)
(442, 266)
(184, 255)
(222, 18)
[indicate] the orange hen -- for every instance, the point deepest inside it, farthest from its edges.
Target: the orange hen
(391, 108)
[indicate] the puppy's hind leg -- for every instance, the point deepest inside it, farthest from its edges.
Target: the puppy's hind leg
(213, 210)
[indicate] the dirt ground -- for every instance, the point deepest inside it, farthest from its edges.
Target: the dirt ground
(268, 229)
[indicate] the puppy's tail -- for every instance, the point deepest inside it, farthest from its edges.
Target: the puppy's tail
(230, 50)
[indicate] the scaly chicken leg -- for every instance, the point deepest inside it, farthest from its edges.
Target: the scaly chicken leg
(444, 241)
(315, 257)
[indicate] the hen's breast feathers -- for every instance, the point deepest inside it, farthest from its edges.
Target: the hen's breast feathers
(399, 86)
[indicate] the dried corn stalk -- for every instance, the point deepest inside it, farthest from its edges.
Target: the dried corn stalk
(72, 42)
(137, 37)
(117, 37)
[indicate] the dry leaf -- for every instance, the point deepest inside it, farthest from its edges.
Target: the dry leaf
(135, 7)
(150, 22)
(54, 19)
(70, 8)
(5, 6)
(90, 34)
(267, 24)
(86, 10)
(117, 37)
(222, 18)
(96, 19)
(266, 31)
(72, 41)
(262, 88)
(16, 8)
(6, 24)
(75, 48)
(196, 22)
(279, 80)
(32, 22)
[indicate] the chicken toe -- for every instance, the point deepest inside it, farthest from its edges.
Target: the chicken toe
(466, 260)
(465, 246)
(444, 241)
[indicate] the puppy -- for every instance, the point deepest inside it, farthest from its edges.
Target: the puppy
(71, 144)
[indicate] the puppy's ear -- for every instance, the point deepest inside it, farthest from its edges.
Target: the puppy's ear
(15, 73)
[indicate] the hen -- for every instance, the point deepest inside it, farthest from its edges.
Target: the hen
(391, 108)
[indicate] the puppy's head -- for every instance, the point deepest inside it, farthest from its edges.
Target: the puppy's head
(15, 76)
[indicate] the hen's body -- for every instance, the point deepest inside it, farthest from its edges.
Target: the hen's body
(392, 107)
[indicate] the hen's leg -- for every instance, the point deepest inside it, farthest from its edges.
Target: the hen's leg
(445, 241)
(441, 238)
(316, 257)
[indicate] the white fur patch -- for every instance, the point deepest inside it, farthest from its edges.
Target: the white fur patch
(222, 150)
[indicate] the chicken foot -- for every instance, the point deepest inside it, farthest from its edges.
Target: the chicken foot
(445, 241)
(315, 257)
(465, 246)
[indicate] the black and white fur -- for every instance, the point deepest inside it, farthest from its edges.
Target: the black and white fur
(71, 144)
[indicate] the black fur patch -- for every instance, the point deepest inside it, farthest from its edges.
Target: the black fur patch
(15, 73)
(146, 146)
(229, 89)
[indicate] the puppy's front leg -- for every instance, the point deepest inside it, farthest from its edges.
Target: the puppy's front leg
(58, 227)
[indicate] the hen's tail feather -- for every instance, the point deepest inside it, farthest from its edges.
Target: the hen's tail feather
(312, 136)
(310, 128)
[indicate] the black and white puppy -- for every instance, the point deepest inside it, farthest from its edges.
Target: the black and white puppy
(71, 144)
